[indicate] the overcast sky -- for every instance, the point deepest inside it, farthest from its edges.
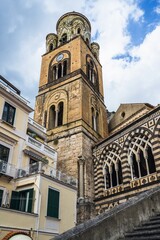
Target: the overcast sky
(128, 32)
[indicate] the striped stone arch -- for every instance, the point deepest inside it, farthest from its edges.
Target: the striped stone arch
(98, 180)
(156, 146)
(138, 152)
(139, 131)
(157, 129)
(115, 150)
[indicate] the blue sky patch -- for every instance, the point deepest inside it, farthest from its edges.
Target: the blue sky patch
(146, 24)
(126, 57)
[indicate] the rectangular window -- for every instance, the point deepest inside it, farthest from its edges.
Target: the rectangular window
(22, 200)
(8, 113)
(1, 196)
(4, 155)
(53, 203)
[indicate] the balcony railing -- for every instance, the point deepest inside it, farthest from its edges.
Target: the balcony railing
(33, 143)
(39, 167)
(7, 169)
(63, 177)
(41, 128)
(2, 85)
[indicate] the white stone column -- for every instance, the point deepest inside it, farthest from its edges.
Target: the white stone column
(57, 72)
(131, 165)
(105, 175)
(110, 173)
(56, 118)
(117, 169)
(138, 162)
(62, 69)
(146, 160)
(81, 163)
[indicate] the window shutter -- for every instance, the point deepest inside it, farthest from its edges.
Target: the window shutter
(53, 203)
(15, 200)
(30, 200)
(1, 195)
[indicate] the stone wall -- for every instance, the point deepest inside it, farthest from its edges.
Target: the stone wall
(113, 224)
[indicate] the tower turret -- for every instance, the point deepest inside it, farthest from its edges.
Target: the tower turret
(71, 25)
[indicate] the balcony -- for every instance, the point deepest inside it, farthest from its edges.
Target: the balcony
(7, 169)
(40, 167)
(38, 146)
(38, 126)
(63, 177)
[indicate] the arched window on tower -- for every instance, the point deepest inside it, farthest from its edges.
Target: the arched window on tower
(45, 119)
(60, 114)
(52, 117)
(63, 38)
(50, 46)
(78, 31)
(95, 119)
(54, 73)
(65, 68)
(91, 73)
(56, 115)
(59, 70)
(87, 41)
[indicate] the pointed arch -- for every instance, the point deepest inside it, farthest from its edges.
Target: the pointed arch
(138, 148)
(112, 170)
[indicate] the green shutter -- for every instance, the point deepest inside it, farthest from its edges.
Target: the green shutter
(15, 200)
(1, 195)
(30, 200)
(53, 203)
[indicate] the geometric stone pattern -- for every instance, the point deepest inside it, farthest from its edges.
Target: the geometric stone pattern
(147, 131)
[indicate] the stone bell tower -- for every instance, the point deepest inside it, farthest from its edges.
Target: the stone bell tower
(70, 102)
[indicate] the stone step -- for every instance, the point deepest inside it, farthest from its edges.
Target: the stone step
(157, 217)
(152, 222)
(142, 238)
(143, 233)
(147, 227)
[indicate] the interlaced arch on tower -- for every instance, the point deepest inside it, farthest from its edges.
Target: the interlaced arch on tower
(55, 110)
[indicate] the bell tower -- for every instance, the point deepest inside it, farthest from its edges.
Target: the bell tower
(70, 101)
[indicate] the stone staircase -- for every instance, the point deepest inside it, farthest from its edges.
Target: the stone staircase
(119, 221)
(149, 230)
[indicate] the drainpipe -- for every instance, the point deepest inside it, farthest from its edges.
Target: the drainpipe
(39, 207)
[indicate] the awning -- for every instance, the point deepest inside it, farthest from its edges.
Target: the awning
(35, 156)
